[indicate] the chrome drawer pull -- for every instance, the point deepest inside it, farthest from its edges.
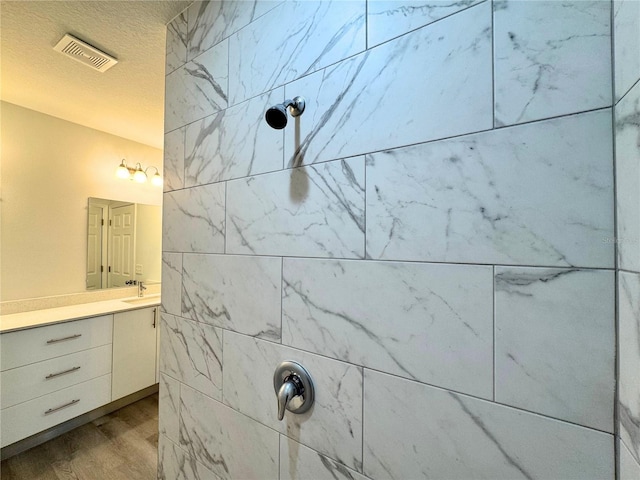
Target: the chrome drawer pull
(71, 337)
(51, 410)
(54, 375)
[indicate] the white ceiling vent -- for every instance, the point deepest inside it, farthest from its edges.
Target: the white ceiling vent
(85, 53)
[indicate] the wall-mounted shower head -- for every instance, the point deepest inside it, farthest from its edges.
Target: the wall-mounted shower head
(276, 116)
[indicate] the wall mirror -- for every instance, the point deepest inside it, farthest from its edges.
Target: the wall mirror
(124, 243)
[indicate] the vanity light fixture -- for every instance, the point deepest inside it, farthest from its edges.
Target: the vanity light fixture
(137, 173)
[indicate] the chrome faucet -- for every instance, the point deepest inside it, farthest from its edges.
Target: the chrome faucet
(141, 289)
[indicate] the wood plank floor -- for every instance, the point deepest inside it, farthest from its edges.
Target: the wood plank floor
(120, 446)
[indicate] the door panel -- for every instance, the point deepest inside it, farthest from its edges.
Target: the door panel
(94, 248)
(121, 245)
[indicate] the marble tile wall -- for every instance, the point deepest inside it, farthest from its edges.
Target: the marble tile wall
(626, 20)
(433, 239)
(555, 70)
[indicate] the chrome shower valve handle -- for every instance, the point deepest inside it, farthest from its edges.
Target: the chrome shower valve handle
(294, 388)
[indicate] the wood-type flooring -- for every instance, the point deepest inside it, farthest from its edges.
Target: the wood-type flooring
(120, 446)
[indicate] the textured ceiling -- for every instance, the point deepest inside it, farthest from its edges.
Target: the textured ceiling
(127, 100)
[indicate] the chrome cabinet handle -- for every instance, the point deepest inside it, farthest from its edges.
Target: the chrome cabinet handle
(70, 337)
(53, 375)
(51, 410)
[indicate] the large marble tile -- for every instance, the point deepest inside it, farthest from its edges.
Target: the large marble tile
(175, 464)
(629, 353)
(629, 467)
(192, 353)
(236, 142)
(298, 462)
(169, 407)
(193, 220)
(211, 22)
(416, 431)
(626, 32)
(197, 89)
(173, 160)
(172, 283)
(429, 84)
(502, 197)
(387, 19)
(176, 43)
(555, 343)
(332, 427)
(316, 211)
(292, 40)
(242, 294)
(228, 443)
(627, 136)
(562, 68)
(427, 322)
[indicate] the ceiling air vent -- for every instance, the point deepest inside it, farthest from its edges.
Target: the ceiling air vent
(85, 53)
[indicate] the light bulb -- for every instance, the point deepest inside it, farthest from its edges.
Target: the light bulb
(156, 180)
(122, 171)
(139, 176)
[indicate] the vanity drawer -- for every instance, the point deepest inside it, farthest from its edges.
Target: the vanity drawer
(28, 418)
(37, 379)
(41, 343)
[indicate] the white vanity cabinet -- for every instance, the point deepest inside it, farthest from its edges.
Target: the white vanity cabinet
(134, 351)
(53, 373)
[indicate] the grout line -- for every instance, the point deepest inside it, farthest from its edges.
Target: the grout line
(281, 296)
(399, 147)
(184, 156)
(363, 430)
(626, 93)
(630, 272)
(616, 320)
(412, 262)
(226, 217)
(493, 285)
(222, 365)
(366, 25)
(364, 210)
(181, 279)
(493, 64)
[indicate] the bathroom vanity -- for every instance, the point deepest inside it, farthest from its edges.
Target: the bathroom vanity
(59, 364)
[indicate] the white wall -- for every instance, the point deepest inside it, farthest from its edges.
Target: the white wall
(49, 169)
(149, 242)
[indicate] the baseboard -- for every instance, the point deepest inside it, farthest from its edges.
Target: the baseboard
(53, 432)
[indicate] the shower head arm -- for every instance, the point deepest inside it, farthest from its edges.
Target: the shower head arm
(295, 106)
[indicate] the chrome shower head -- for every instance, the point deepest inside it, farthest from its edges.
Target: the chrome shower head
(276, 116)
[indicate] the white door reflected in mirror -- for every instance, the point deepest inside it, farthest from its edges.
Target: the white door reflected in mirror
(124, 242)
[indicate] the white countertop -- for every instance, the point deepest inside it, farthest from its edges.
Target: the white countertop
(47, 316)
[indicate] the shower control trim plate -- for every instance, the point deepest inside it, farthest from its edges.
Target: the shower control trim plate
(294, 388)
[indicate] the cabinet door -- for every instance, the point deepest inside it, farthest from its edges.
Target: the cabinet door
(134, 351)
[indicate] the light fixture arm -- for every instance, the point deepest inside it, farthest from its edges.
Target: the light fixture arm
(137, 173)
